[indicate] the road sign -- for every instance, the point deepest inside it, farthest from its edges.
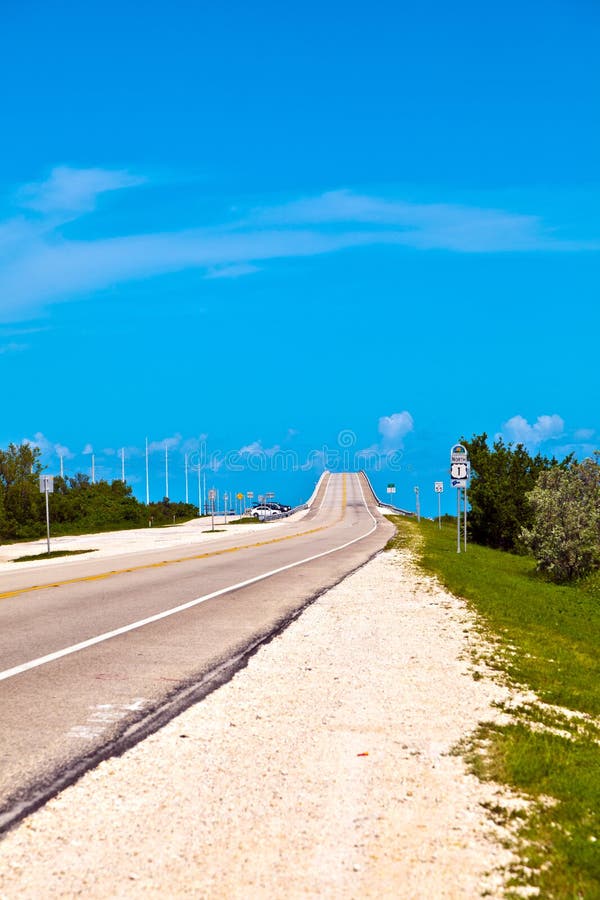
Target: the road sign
(240, 496)
(391, 488)
(47, 487)
(458, 454)
(250, 495)
(460, 469)
(212, 494)
(439, 487)
(46, 484)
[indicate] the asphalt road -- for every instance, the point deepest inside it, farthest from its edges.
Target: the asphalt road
(95, 655)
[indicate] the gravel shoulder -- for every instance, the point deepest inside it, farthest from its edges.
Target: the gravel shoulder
(323, 768)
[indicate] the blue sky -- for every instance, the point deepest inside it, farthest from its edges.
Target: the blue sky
(274, 235)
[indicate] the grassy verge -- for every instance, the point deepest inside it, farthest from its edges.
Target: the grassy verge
(245, 520)
(546, 638)
(52, 554)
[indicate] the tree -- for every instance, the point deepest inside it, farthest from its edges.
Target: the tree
(564, 536)
(502, 476)
(21, 505)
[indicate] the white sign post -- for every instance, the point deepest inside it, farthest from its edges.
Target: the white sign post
(47, 487)
(439, 489)
(211, 496)
(460, 470)
(418, 504)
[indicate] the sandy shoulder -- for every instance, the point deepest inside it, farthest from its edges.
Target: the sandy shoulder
(322, 769)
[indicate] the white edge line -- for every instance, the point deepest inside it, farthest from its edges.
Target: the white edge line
(58, 654)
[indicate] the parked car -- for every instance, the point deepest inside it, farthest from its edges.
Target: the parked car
(263, 512)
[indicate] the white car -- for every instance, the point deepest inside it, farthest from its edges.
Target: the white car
(263, 512)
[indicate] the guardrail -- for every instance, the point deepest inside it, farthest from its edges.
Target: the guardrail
(396, 509)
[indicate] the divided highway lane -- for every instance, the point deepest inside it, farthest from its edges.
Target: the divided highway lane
(82, 678)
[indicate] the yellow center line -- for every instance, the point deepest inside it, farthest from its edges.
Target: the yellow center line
(181, 559)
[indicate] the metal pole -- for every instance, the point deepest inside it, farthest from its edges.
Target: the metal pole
(439, 510)
(166, 470)
(187, 492)
(458, 520)
(62, 470)
(465, 521)
(225, 499)
(203, 487)
(212, 510)
(199, 492)
(123, 464)
(147, 479)
(93, 468)
(47, 518)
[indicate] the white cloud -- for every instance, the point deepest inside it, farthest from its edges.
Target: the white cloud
(545, 428)
(393, 429)
(73, 190)
(233, 271)
(38, 265)
(13, 347)
(256, 448)
(444, 226)
(87, 450)
(584, 434)
(48, 447)
(169, 443)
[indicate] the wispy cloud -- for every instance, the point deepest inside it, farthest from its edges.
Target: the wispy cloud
(234, 271)
(73, 190)
(39, 265)
(168, 443)
(13, 347)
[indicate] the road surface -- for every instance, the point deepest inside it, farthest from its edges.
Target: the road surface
(96, 654)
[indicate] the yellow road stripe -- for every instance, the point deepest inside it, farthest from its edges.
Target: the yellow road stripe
(170, 562)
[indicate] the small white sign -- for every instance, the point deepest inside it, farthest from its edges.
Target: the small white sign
(391, 488)
(46, 484)
(212, 494)
(439, 487)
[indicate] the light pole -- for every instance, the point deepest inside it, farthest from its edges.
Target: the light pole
(147, 478)
(187, 491)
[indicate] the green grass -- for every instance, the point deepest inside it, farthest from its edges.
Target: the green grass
(245, 520)
(547, 638)
(52, 554)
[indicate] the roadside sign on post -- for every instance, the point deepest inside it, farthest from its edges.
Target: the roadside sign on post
(460, 471)
(46, 484)
(439, 489)
(47, 487)
(212, 496)
(391, 488)
(459, 466)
